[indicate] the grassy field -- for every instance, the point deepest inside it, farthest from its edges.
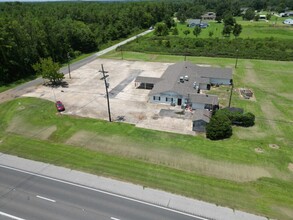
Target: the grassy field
(256, 29)
(229, 172)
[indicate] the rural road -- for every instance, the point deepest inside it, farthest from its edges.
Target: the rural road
(27, 87)
(28, 197)
(91, 58)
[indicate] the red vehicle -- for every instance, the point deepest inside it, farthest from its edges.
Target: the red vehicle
(60, 107)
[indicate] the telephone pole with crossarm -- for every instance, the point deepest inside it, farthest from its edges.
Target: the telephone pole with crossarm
(106, 86)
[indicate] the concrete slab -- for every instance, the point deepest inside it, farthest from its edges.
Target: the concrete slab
(85, 95)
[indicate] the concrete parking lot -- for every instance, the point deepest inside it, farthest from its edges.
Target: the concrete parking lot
(85, 95)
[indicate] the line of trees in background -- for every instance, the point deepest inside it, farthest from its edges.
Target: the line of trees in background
(267, 49)
(195, 8)
(31, 31)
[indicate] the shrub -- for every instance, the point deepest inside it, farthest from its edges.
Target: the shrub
(237, 118)
(247, 119)
(219, 127)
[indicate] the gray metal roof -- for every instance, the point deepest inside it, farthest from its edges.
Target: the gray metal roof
(202, 114)
(143, 79)
(202, 80)
(170, 80)
(204, 99)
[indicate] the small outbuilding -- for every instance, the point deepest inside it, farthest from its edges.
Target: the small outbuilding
(200, 119)
(196, 22)
(193, 22)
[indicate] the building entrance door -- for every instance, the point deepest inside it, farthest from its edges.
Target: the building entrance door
(179, 101)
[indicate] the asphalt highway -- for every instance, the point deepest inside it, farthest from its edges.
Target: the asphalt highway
(24, 196)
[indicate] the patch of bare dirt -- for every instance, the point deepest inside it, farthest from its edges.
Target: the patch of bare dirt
(290, 167)
(274, 146)
(259, 150)
(20, 108)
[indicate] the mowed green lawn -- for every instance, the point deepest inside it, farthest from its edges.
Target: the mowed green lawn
(250, 29)
(229, 172)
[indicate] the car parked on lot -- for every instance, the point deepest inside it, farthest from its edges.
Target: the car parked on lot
(60, 107)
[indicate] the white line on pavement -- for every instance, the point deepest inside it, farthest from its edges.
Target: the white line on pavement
(115, 218)
(44, 198)
(104, 192)
(10, 216)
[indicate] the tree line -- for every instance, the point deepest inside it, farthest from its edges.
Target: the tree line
(31, 31)
(58, 30)
(195, 8)
(249, 48)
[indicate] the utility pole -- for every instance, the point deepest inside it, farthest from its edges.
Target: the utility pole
(231, 92)
(68, 61)
(236, 58)
(106, 86)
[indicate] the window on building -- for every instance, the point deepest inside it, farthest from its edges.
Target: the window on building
(156, 98)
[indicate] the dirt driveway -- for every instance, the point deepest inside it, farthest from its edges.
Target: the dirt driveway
(85, 95)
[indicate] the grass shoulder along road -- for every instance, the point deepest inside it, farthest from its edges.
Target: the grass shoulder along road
(214, 171)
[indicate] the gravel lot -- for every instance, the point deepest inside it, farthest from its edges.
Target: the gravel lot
(84, 95)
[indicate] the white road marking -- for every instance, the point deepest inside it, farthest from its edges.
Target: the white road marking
(115, 218)
(105, 192)
(10, 216)
(44, 198)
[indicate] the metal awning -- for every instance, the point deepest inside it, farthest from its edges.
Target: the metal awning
(147, 80)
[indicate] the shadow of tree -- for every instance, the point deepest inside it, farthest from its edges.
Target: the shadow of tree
(62, 84)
